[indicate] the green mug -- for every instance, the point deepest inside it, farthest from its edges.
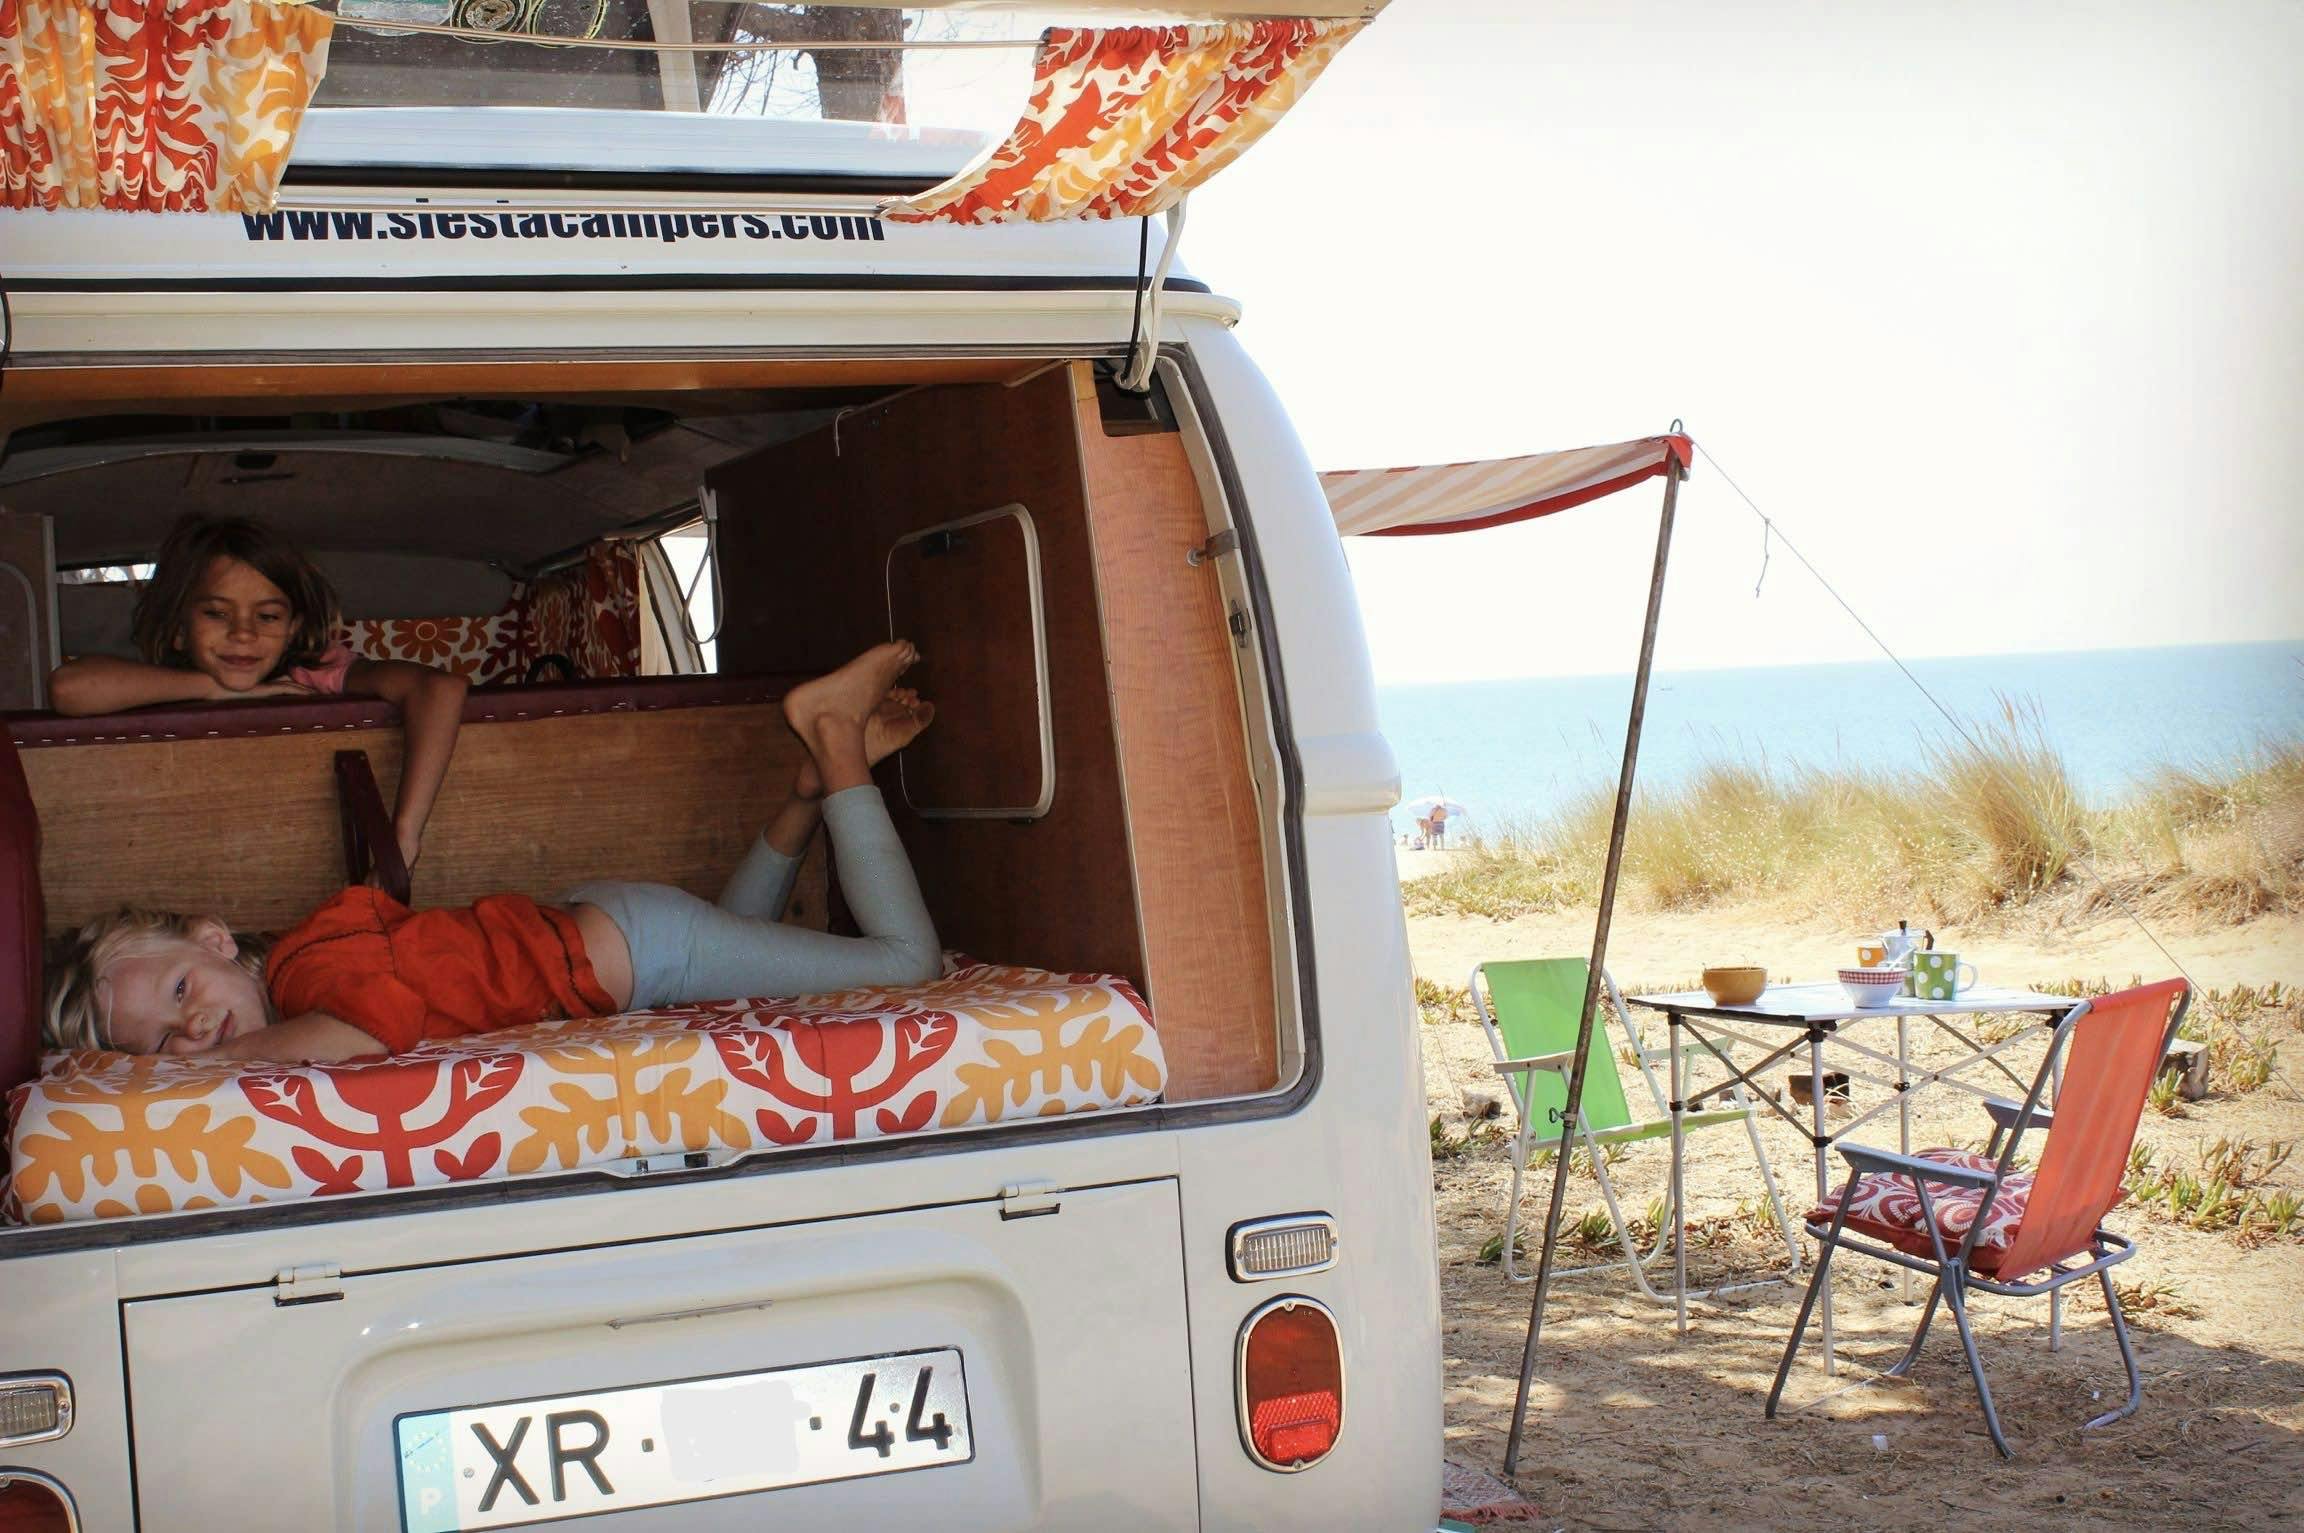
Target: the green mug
(1940, 976)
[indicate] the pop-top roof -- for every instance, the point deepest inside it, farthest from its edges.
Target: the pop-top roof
(831, 108)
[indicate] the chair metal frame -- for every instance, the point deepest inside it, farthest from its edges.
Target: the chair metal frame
(1952, 1267)
(1517, 1073)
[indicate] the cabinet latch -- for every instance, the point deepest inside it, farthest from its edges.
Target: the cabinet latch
(1222, 543)
(1030, 1200)
(316, 1284)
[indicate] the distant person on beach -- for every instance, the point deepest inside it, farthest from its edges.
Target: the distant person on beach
(1438, 837)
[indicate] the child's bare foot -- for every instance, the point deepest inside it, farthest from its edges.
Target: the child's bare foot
(896, 723)
(829, 713)
(852, 692)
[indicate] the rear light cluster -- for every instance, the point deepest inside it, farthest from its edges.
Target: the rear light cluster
(1291, 1381)
(31, 1502)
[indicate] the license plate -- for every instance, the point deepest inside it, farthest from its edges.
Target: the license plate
(526, 1461)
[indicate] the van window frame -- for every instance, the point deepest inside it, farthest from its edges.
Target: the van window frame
(26, 1241)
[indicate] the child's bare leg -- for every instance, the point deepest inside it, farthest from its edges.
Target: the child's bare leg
(734, 950)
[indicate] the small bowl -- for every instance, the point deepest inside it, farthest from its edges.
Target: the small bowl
(1870, 988)
(1735, 984)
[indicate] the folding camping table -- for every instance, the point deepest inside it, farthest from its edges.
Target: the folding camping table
(1787, 1017)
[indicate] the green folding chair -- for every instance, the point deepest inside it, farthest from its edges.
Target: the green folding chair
(1529, 1009)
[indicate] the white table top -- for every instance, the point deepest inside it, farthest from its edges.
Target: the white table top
(1827, 1002)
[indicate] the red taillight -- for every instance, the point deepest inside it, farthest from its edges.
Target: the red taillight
(31, 1502)
(1291, 1383)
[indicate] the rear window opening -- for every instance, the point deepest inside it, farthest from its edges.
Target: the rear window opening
(1098, 803)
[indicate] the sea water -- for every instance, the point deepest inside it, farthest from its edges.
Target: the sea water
(1515, 751)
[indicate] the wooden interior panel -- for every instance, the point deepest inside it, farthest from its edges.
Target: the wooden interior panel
(248, 828)
(805, 528)
(966, 596)
(1192, 806)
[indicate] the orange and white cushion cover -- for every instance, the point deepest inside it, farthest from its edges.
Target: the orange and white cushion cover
(99, 1134)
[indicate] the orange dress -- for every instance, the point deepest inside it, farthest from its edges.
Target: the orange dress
(402, 976)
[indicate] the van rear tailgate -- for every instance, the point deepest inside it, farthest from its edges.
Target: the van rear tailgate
(941, 1367)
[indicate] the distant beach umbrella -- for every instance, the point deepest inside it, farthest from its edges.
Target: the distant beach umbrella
(1423, 807)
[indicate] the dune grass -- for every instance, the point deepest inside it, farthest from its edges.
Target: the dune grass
(1984, 821)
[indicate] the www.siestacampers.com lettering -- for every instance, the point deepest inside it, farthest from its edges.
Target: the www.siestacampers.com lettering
(670, 228)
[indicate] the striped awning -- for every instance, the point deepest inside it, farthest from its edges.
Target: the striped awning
(1463, 497)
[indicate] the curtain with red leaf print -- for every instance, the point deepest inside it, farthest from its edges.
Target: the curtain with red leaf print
(153, 105)
(587, 614)
(1124, 121)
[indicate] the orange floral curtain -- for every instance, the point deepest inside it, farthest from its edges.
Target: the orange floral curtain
(587, 614)
(153, 105)
(1125, 120)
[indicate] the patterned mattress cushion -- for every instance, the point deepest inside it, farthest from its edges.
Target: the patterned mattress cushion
(101, 1134)
(1886, 1205)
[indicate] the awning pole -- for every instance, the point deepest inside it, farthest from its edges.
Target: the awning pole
(1575, 1102)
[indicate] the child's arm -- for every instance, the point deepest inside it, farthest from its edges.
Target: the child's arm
(314, 1038)
(431, 709)
(105, 684)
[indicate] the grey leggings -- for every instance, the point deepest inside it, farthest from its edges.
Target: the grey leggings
(684, 950)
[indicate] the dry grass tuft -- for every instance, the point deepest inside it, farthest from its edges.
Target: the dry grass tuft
(2228, 846)
(2009, 798)
(1986, 822)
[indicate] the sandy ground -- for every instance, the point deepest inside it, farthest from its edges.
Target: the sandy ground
(1665, 947)
(1631, 1429)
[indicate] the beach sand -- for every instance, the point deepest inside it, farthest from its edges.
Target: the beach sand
(1630, 1429)
(1667, 947)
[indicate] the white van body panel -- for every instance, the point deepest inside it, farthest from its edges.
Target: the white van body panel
(1357, 1150)
(597, 1211)
(1132, 1272)
(1049, 1391)
(63, 1317)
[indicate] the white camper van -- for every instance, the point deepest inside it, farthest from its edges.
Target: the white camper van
(1125, 1223)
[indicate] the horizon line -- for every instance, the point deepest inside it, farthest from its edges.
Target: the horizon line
(1810, 665)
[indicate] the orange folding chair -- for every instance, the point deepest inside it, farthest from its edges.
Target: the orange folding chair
(1974, 1222)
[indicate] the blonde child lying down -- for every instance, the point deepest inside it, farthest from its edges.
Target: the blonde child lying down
(366, 975)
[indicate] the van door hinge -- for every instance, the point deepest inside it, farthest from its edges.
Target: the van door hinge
(1029, 1200)
(308, 1285)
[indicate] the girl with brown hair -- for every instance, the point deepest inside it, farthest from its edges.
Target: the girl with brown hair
(234, 610)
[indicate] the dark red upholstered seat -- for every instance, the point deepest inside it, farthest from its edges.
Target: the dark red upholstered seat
(483, 705)
(22, 921)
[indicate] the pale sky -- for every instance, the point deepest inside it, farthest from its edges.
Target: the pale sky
(1997, 309)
